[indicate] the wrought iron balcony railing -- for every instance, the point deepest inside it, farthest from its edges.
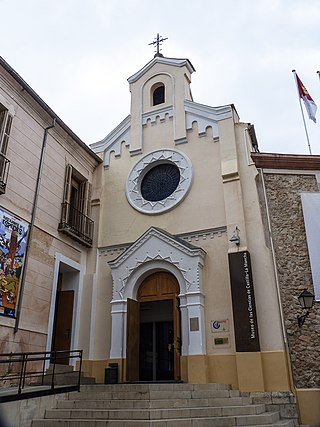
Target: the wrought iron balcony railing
(76, 225)
(4, 171)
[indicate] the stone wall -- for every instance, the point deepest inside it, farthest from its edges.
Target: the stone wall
(289, 238)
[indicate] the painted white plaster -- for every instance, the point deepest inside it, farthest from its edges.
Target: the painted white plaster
(93, 309)
(113, 141)
(205, 116)
(161, 60)
(153, 115)
(156, 112)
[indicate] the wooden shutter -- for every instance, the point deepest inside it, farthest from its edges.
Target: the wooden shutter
(82, 197)
(67, 184)
(66, 195)
(5, 134)
(88, 199)
(3, 116)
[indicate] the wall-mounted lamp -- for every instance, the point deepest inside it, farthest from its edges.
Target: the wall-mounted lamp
(235, 237)
(306, 299)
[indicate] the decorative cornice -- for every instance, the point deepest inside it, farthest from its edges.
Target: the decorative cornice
(206, 116)
(203, 234)
(113, 141)
(161, 60)
(190, 237)
(286, 161)
(159, 112)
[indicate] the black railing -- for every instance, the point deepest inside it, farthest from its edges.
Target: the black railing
(24, 375)
(4, 172)
(76, 225)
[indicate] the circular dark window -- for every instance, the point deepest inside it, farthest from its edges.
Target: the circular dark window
(160, 182)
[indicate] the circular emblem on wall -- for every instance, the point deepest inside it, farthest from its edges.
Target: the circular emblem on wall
(159, 181)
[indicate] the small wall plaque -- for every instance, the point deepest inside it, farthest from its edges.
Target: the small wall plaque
(222, 342)
(194, 324)
(220, 325)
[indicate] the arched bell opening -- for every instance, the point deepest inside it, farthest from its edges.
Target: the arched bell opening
(157, 94)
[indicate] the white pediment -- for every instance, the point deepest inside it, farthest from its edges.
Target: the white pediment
(113, 141)
(175, 62)
(153, 246)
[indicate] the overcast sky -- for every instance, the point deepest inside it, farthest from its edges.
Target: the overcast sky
(78, 54)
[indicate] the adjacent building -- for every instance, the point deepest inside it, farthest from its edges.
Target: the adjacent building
(47, 224)
(290, 205)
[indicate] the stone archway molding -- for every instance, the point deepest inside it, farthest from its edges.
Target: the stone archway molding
(158, 250)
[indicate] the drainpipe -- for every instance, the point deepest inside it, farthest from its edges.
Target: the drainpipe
(33, 217)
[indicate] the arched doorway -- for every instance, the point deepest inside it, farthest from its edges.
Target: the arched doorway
(153, 330)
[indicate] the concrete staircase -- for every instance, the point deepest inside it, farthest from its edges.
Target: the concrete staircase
(160, 405)
(65, 375)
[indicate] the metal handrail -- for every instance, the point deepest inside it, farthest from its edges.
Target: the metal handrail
(28, 377)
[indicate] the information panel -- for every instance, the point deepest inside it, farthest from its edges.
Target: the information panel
(243, 303)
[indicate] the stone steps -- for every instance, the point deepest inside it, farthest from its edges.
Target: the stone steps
(65, 375)
(154, 404)
(160, 405)
(204, 422)
(152, 414)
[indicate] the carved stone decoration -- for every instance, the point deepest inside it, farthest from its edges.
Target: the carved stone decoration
(206, 116)
(144, 166)
(157, 245)
(157, 250)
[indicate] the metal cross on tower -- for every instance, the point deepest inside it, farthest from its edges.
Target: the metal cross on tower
(157, 42)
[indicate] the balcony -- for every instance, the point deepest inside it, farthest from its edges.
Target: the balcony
(76, 225)
(4, 172)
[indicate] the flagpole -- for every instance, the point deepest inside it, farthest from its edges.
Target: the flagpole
(304, 122)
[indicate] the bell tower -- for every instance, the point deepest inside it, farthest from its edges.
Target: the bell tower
(159, 91)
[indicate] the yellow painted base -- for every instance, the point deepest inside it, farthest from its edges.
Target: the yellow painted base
(309, 406)
(276, 371)
(250, 373)
(194, 369)
(223, 369)
(260, 371)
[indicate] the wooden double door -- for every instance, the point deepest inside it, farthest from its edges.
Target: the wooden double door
(153, 330)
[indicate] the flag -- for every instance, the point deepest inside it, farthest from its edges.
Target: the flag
(309, 103)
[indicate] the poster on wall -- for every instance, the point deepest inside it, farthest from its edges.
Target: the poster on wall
(13, 237)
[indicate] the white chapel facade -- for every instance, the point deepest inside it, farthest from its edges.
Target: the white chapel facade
(184, 287)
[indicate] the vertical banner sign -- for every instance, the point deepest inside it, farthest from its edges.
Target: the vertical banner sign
(311, 214)
(243, 302)
(13, 236)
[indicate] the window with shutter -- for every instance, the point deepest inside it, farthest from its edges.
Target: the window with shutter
(5, 128)
(75, 217)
